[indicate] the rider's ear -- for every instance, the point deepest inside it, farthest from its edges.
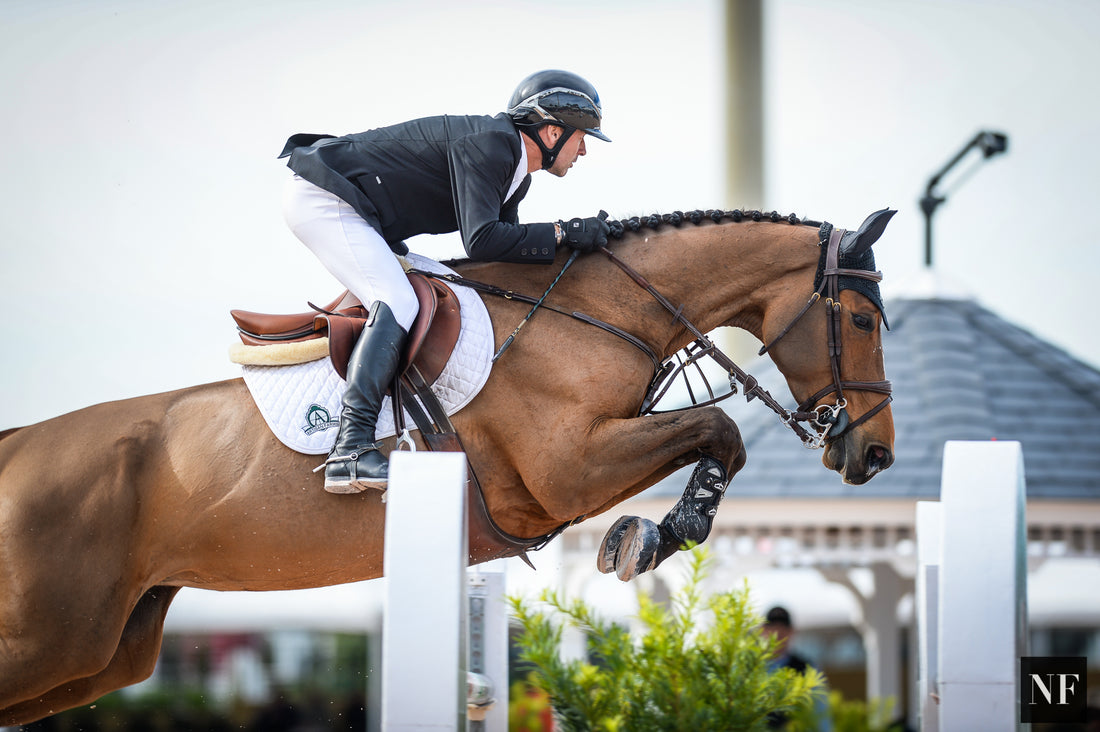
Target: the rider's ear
(869, 232)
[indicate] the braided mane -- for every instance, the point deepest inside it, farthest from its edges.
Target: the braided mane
(619, 227)
(653, 221)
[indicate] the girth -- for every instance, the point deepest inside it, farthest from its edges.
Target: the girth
(487, 541)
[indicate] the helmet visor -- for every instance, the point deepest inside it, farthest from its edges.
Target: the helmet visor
(567, 106)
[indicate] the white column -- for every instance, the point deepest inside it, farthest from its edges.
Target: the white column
(882, 634)
(983, 585)
(424, 626)
(929, 535)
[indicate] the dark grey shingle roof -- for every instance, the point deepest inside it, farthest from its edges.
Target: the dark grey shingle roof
(959, 372)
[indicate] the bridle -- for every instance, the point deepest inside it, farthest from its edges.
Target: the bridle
(828, 422)
(832, 421)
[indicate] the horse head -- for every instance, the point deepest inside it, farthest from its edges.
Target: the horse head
(829, 348)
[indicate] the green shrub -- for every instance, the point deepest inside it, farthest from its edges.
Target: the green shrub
(851, 715)
(701, 664)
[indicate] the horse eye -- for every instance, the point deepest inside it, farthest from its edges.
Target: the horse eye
(863, 322)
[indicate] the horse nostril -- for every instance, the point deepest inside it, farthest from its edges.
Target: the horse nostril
(878, 458)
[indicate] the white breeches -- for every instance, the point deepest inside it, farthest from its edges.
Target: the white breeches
(349, 248)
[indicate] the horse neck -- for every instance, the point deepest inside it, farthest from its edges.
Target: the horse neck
(727, 274)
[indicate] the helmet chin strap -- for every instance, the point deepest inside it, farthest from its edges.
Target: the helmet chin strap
(549, 155)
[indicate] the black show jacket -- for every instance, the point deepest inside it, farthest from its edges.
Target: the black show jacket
(431, 176)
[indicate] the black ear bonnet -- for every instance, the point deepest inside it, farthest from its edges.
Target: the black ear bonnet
(862, 261)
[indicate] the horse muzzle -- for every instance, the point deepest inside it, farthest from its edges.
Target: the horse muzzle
(856, 460)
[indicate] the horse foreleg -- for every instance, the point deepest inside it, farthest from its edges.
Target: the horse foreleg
(133, 660)
(634, 545)
(620, 458)
(614, 459)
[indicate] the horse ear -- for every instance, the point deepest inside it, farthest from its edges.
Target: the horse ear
(856, 243)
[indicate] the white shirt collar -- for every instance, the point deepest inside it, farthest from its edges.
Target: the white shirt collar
(521, 170)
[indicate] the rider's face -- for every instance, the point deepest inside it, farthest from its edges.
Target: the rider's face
(573, 149)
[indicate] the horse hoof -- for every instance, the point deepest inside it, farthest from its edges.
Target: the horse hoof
(638, 551)
(629, 548)
(612, 540)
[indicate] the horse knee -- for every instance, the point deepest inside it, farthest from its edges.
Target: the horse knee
(724, 441)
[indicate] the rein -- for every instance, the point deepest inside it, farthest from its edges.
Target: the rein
(828, 422)
(495, 291)
(707, 348)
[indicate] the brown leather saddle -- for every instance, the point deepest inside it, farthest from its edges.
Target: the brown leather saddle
(431, 340)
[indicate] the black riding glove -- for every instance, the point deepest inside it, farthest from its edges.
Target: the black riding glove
(585, 235)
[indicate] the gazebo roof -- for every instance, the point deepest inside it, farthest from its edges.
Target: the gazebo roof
(959, 372)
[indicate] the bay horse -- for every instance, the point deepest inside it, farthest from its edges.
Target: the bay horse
(106, 512)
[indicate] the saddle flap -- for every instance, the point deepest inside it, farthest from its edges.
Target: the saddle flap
(343, 333)
(434, 334)
(428, 301)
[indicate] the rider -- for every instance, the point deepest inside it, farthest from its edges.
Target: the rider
(354, 199)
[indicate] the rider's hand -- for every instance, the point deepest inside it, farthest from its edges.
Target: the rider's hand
(586, 235)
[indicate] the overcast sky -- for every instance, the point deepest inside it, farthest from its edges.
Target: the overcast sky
(141, 192)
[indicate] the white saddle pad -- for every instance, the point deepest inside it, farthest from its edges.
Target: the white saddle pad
(301, 403)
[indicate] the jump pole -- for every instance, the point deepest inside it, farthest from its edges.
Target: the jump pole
(425, 610)
(981, 621)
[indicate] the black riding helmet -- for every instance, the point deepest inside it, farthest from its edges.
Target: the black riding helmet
(560, 98)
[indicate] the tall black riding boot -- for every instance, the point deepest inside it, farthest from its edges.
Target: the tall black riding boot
(355, 464)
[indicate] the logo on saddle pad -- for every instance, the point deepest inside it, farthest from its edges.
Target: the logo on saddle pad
(318, 420)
